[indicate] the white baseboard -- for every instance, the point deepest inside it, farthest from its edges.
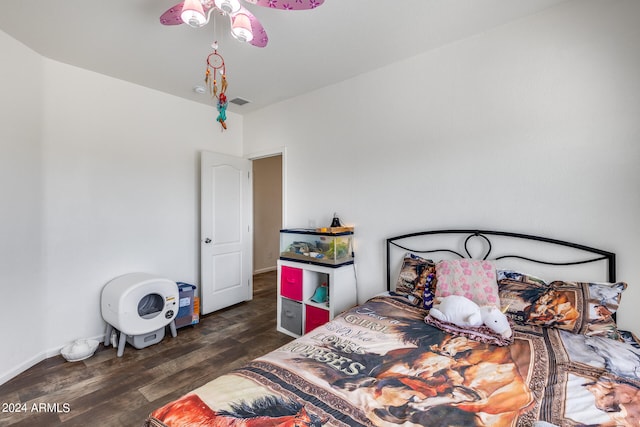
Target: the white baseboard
(265, 270)
(17, 370)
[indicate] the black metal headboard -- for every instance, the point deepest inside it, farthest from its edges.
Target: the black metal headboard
(584, 254)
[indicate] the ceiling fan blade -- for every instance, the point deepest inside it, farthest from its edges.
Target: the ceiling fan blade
(288, 4)
(172, 15)
(260, 38)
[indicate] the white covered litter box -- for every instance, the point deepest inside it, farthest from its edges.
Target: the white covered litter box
(139, 306)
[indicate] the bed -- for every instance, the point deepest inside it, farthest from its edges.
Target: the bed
(387, 362)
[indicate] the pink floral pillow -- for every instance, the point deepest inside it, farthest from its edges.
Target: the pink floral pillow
(473, 279)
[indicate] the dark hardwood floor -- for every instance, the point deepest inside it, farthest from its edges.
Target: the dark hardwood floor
(106, 390)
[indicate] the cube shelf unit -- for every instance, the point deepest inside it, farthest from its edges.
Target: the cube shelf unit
(297, 283)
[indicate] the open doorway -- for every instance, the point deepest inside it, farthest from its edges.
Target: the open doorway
(267, 212)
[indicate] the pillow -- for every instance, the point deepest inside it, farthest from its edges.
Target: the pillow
(417, 280)
(474, 279)
(578, 307)
(517, 291)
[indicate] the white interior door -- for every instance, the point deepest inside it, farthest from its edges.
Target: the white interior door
(225, 232)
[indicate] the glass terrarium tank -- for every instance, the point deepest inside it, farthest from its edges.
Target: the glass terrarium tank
(317, 247)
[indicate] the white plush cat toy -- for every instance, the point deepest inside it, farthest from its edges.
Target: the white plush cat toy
(462, 311)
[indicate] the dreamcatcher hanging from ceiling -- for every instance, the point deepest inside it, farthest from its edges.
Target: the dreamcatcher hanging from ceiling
(244, 27)
(215, 66)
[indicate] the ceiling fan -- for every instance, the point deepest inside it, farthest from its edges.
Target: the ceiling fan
(244, 26)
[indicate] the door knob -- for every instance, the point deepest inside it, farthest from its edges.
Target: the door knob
(207, 240)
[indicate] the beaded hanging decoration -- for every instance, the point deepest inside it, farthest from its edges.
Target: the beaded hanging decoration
(215, 65)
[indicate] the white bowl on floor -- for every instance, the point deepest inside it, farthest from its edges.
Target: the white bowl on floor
(79, 350)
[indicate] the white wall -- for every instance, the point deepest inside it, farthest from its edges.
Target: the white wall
(104, 181)
(21, 234)
(532, 127)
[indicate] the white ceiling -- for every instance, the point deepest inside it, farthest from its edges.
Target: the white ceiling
(307, 49)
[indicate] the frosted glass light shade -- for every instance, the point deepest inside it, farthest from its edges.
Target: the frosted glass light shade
(241, 27)
(193, 14)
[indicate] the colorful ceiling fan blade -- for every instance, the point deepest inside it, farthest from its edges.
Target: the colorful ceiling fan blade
(172, 15)
(288, 4)
(260, 38)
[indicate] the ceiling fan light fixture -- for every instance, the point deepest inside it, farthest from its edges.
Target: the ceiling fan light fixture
(228, 6)
(241, 27)
(193, 14)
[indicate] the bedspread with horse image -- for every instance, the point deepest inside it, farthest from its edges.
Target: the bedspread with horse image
(380, 364)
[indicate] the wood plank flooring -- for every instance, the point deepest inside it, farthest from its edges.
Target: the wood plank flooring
(107, 391)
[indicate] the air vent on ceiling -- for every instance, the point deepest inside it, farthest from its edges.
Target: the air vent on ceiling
(239, 101)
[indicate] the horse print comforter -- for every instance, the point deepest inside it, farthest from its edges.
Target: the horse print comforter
(380, 364)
